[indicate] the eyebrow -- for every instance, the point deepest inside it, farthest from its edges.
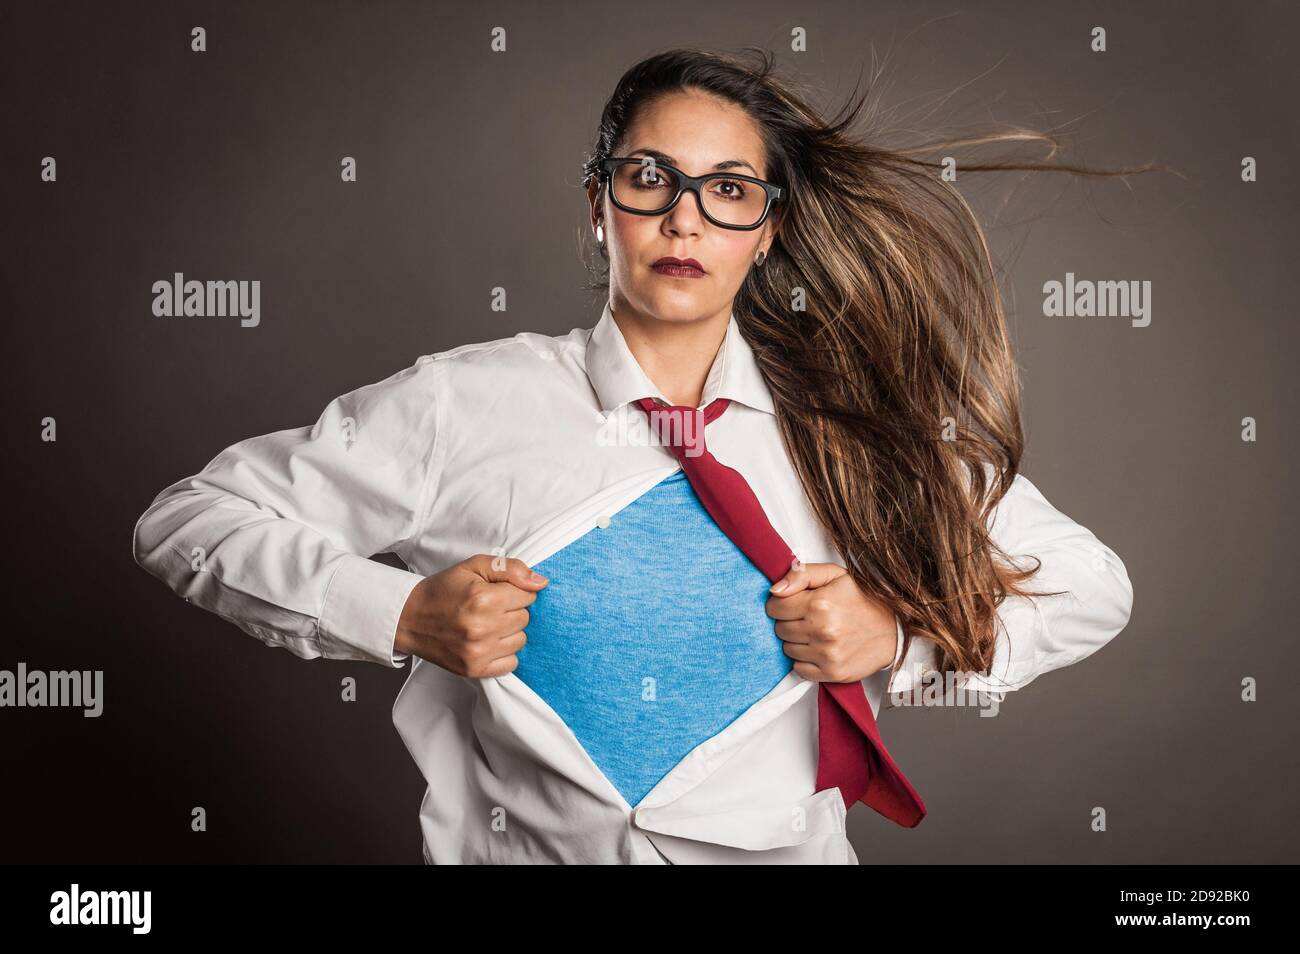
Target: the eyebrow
(669, 160)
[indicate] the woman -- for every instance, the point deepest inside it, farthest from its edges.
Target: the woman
(781, 470)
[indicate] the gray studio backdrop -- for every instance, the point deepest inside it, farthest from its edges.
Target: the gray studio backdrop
(225, 165)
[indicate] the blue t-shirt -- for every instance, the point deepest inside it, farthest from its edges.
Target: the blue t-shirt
(651, 637)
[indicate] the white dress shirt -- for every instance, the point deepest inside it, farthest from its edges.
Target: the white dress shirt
(517, 447)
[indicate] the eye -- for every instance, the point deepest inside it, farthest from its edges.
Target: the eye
(648, 177)
(733, 190)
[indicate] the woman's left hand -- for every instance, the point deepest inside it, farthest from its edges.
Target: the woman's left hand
(833, 630)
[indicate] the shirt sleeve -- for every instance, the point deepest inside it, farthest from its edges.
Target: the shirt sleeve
(274, 534)
(1038, 634)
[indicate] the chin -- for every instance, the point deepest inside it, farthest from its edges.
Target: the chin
(677, 306)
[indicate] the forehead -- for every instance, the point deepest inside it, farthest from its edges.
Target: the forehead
(698, 130)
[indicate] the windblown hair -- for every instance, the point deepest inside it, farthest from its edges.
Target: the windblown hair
(877, 323)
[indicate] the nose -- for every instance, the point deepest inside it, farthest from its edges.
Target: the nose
(685, 218)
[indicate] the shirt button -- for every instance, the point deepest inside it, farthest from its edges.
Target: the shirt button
(603, 522)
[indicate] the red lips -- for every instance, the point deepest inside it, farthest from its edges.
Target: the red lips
(678, 267)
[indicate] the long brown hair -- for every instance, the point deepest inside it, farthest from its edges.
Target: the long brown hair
(877, 323)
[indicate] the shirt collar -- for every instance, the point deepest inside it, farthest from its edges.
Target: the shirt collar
(618, 378)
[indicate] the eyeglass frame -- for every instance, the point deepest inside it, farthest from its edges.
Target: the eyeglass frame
(685, 183)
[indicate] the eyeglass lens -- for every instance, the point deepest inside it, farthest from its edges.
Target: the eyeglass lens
(650, 188)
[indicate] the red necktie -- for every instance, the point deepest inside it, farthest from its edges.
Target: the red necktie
(850, 753)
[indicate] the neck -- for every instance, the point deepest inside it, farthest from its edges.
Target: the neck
(675, 355)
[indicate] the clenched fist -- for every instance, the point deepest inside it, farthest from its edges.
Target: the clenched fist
(470, 618)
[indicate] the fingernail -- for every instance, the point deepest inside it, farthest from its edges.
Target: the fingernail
(537, 577)
(780, 586)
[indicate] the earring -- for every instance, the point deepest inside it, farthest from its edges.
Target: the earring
(600, 234)
(760, 259)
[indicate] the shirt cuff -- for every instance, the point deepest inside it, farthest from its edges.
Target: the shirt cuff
(362, 606)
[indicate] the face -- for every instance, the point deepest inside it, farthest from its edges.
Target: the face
(698, 131)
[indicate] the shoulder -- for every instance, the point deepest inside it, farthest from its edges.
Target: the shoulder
(532, 370)
(526, 360)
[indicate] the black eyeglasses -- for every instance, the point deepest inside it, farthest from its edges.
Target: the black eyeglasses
(643, 186)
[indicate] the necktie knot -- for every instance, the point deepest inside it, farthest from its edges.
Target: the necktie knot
(681, 428)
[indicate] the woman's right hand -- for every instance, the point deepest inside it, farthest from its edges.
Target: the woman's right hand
(470, 618)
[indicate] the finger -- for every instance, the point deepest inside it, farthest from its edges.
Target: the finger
(810, 671)
(512, 643)
(500, 656)
(789, 607)
(795, 580)
(505, 610)
(500, 569)
(508, 596)
(802, 652)
(509, 624)
(807, 576)
(500, 667)
(795, 631)
(820, 574)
